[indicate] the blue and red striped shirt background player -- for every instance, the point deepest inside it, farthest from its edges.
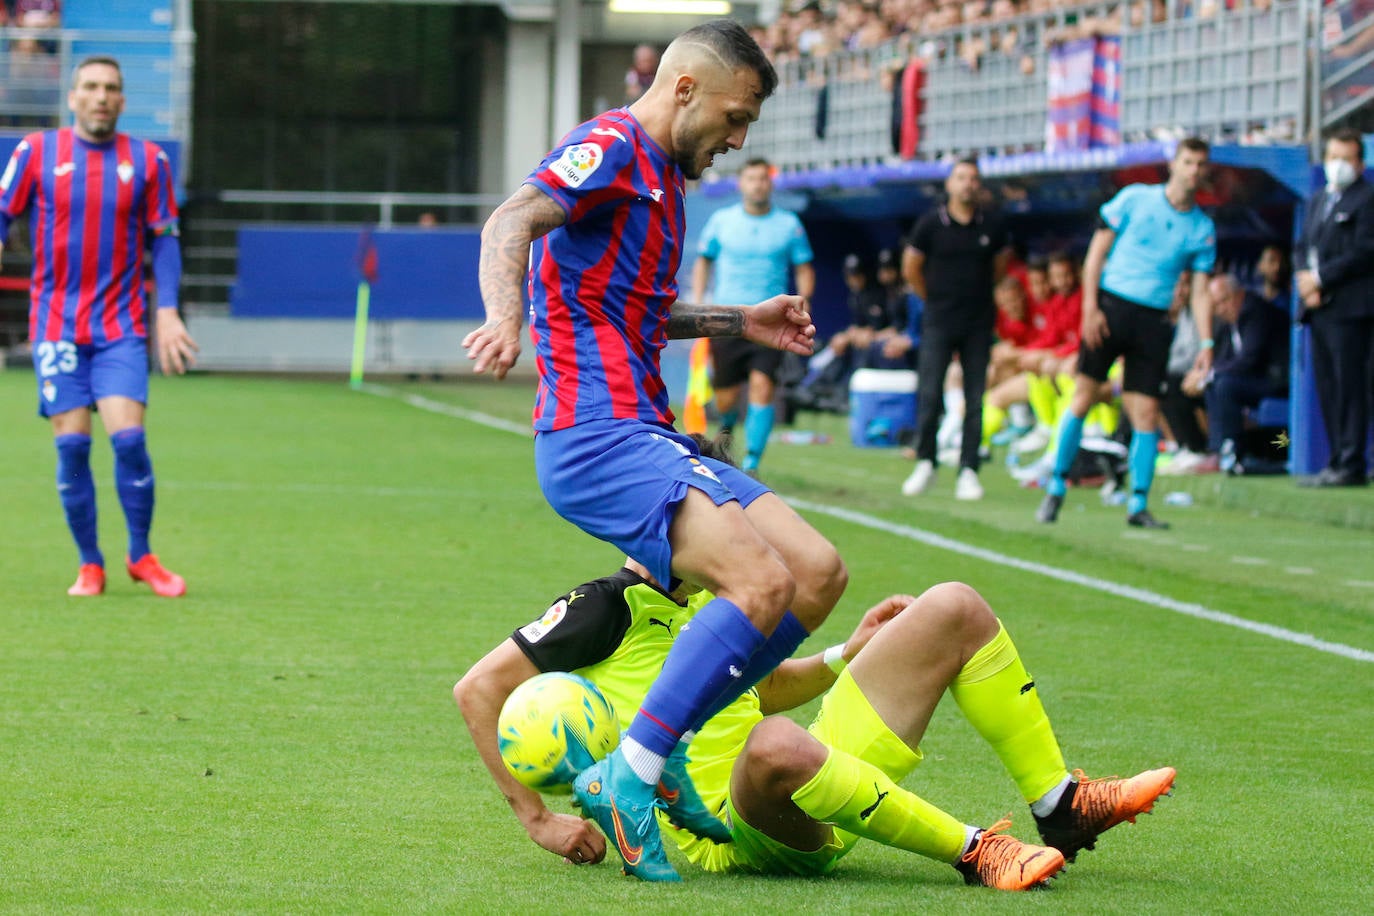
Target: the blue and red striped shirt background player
(87, 285)
(599, 311)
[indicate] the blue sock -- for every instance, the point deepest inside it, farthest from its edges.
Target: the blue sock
(728, 419)
(1070, 434)
(76, 488)
(1144, 448)
(134, 484)
(777, 649)
(758, 426)
(708, 657)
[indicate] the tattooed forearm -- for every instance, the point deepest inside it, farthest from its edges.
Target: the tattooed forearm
(689, 320)
(505, 256)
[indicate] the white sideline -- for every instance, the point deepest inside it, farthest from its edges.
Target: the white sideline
(1144, 596)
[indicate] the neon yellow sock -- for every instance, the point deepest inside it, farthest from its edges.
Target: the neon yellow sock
(1044, 399)
(1066, 385)
(999, 699)
(859, 798)
(1106, 416)
(994, 418)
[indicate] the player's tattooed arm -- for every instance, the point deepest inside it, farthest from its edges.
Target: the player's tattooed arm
(525, 216)
(695, 320)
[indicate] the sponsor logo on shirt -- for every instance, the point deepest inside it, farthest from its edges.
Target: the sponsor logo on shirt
(577, 163)
(609, 132)
(65, 168)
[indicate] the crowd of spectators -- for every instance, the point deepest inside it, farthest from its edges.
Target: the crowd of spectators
(815, 28)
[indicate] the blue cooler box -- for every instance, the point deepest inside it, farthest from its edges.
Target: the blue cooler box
(882, 406)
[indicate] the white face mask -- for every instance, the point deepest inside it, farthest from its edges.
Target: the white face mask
(1340, 174)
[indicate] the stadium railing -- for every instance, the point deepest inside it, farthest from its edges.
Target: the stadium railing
(1240, 75)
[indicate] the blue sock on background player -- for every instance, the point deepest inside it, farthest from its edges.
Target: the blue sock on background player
(76, 488)
(1070, 434)
(728, 419)
(708, 657)
(134, 484)
(758, 426)
(1144, 448)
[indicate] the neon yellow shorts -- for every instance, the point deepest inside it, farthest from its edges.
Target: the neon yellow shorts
(846, 721)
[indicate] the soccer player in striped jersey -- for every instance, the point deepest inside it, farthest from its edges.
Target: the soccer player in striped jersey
(604, 214)
(97, 201)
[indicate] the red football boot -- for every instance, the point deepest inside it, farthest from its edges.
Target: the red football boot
(163, 581)
(89, 581)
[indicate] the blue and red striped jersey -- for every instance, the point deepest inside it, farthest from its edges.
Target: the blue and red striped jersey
(91, 210)
(601, 285)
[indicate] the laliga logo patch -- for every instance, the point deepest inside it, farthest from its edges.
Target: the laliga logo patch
(578, 163)
(49, 391)
(704, 471)
(125, 171)
(541, 627)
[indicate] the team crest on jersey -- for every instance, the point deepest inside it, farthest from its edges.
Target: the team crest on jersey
(125, 171)
(533, 632)
(704, 471)
(577, 163)
(49, 391)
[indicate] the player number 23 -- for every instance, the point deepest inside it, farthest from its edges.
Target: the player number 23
(56, 356)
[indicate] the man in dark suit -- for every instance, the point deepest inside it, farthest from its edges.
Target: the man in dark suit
(1336, 285)
(1250, 364)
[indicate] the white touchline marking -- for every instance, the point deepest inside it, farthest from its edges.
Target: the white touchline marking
(1299, 570)
(1144, 596)
(1249, 561)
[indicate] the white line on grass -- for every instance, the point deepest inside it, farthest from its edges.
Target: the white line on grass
(865, 520)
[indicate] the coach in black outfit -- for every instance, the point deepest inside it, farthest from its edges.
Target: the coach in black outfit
(1336, 285)
(954, 255)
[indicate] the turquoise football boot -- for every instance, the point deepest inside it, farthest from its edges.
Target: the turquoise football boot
(684, 806)
(623, 807)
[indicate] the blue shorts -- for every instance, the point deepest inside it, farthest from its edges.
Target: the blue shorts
(77, 375)
(621, 481)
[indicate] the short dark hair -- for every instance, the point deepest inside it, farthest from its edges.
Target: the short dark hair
(736, 47)
(1348, 135)
(755, 162)
(98, 59)
(1061, 257)
(1194, 145)
(968, 160)
(1037, 262)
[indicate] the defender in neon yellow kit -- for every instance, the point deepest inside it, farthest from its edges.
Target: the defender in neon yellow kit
(798, 800)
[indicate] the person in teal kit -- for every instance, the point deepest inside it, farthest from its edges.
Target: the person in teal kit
(1147, 236)
(756, 250)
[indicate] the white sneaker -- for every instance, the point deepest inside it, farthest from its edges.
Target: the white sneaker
(1182, 462)
(920, 479)
(1035, 440)
(1034, 472)
(967, 486)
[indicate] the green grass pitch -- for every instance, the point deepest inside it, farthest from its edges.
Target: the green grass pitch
(283, 739)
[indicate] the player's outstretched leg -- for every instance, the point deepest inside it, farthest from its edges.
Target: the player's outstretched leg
(683, 805)
(623, 806)
(1004, 862)
(1090, 807)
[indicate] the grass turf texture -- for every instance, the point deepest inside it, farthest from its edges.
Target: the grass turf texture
(283, 738)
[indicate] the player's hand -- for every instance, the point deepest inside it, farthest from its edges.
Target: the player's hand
(1094, 328)
(569, 836)
(1307, 283)
(782, 323)
(176, 350)
(872, 621)
(1203, 364)
(495, 346)
(1313, 300)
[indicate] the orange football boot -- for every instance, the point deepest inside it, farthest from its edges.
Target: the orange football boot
(163, 581)
(1004, 862)
(1091, 807)
(90, 580)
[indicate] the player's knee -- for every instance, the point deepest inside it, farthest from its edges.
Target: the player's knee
(960, 609)
(780, 756)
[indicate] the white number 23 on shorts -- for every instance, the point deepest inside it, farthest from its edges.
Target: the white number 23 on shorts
(56, 357)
